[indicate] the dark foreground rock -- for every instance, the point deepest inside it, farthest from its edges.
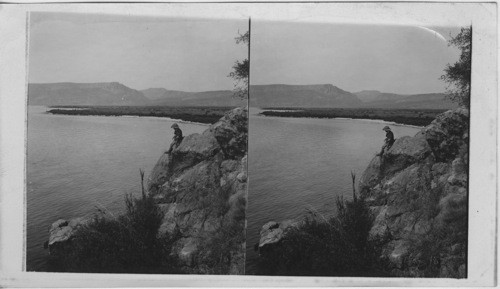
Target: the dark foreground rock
(418, 195)
(201, 189)
(273, 233)
(62, 231)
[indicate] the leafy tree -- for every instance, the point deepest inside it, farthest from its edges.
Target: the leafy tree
(458, 75)
(241, 69)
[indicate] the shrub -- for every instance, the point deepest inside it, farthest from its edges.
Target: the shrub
(336, 246)
(124, 244)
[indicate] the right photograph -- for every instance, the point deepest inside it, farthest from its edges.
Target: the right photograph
(358, 158)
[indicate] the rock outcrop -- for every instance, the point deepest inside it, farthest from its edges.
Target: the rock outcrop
(61, 232)
(418, 195)
(201, 187)
(272, 233)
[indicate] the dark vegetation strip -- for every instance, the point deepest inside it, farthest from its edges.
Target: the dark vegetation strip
(418, 117)
(202, 114)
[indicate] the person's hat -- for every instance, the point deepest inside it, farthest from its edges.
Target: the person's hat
(386, 128)
(175, 125)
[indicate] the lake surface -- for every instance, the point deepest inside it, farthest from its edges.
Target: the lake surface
(78, 163)
(299, 164)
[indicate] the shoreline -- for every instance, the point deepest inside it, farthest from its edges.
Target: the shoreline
(166, 118)
(193, 115)
(376, 120)
(416, 118)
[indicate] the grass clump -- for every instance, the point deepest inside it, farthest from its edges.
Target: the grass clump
(124, 244)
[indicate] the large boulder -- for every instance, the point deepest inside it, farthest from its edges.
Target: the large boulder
(193, 149)
(272, 233)
(404, 152)
(231, 133)
(61, 232)
(448, 133)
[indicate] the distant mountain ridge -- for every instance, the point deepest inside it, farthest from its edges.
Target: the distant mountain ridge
(68, 93)
(375, 98)
(271, 95)
(162, 96)
(163, 93)
(317, 95)
(117, 94)
(327, 95)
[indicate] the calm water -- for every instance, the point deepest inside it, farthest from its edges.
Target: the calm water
(300, 164)
(78, 163)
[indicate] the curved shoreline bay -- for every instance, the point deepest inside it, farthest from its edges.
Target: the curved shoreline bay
(414, 117)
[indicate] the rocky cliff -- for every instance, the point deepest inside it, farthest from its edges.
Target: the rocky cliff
(201, 187)
(418, 195)
(201, 190)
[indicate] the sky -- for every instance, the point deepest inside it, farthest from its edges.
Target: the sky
(395, 59)
(197, 54)
(139, 52)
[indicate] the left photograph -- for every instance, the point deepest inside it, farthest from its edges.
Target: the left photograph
(137, 137)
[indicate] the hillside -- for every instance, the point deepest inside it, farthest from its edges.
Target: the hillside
(67, 93)
(377, 99)
(321, 95)
(117, 94)
(268, 96)
(161, 94)
(329, 96)
(165, 97)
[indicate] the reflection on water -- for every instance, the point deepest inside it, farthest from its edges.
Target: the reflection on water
(78, 163)
(304, 164)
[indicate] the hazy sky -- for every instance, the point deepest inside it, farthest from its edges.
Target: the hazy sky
(197, 54)
(397, 59)
(140, 52)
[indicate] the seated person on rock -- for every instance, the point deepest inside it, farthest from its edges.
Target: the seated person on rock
(388, 142)
(177, 139)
